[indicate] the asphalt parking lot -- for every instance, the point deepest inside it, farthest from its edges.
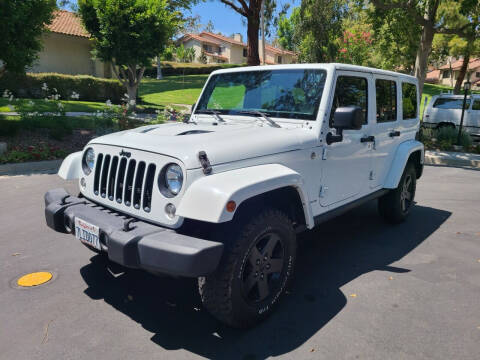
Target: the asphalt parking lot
(364, 289)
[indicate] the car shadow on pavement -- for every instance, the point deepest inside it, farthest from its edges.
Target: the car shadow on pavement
(336, 253)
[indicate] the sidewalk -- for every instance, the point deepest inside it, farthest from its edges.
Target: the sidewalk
(448, 158)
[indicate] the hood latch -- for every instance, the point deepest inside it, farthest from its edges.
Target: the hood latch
(207, 168)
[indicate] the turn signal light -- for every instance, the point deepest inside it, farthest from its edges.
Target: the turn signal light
(231, 206)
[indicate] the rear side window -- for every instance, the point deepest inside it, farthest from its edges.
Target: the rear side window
(409, 100)
(386, 100)
(449, 103)
(351, 91)
(476, 105)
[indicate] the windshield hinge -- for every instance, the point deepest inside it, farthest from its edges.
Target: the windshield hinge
(207, 168)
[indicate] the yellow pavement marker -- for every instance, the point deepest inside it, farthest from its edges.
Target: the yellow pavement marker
(34, 279)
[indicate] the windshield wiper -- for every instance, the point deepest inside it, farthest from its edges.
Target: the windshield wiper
(215, 114)
(259, 114)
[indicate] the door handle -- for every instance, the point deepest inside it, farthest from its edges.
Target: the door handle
(365, 139)
(394, 133)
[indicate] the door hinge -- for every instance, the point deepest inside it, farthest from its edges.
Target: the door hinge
(323, 191)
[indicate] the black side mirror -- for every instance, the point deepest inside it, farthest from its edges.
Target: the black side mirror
(345, 118)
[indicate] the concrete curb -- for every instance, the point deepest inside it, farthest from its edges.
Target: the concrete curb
(447, 158)
(28, 168)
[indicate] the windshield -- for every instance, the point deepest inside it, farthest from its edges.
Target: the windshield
(277, 93)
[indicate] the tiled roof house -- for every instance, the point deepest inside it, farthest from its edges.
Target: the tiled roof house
(67, 48)
(222, 49)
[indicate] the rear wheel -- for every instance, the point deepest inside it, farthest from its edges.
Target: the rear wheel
(255, 271)
(395, 205)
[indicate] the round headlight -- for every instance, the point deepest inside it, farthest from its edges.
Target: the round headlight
(88, 161)
(174, 178)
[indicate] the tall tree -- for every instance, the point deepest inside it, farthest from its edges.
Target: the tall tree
(22, 23)
(427, 15)
(209, 27)
(320, 25)
(251, 12)
(128, 34)
(286, 30)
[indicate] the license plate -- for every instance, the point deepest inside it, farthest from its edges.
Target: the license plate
(87, 233)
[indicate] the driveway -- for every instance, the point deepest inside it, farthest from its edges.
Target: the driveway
(364, 289)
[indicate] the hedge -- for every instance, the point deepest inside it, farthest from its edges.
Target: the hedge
(90, 88)
(175, 68)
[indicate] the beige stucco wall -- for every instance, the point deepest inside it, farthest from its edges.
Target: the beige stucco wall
(196, 45)
(67, 55)
(236, 55)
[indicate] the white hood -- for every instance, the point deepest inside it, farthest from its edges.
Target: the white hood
(223, 143)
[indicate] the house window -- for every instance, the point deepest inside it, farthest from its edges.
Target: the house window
(205, 47)
(386, 100)
(409, 101)
(279, 60)
(477, 74)
(245, 53)
(446, 74)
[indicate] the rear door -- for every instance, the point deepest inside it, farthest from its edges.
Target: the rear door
(386, 127)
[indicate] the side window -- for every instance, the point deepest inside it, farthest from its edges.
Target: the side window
(351, 91)
(476, 105)
(386, 100)
(409, 101)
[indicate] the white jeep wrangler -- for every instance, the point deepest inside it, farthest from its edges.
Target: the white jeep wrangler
(268, 152)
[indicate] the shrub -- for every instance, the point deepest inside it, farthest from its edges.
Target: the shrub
(450, 134)
(175, 68)
(447, 134)
(9, 127)
(89, 88)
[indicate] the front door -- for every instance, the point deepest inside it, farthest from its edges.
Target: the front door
(346, 165)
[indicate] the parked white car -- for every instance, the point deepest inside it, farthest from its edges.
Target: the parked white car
(268, 152)
(446, 110)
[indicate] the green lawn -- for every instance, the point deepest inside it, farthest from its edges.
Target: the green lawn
(172, 90)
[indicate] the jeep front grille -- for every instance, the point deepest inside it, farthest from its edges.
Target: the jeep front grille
(126, 181)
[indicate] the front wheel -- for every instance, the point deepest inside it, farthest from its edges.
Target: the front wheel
(395, 205)
(255, 270)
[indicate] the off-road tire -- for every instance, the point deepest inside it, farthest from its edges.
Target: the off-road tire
(390, 205)
(222, 292)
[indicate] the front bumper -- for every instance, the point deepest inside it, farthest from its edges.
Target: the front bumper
(132, 243)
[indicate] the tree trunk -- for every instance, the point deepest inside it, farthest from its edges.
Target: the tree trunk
(461, 74)
(159, 69)
(253, 58)
(421, 62)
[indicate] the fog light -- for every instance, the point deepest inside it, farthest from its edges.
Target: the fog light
(83, 183)
(170, 210)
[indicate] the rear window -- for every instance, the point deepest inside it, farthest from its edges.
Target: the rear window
(446, 103)
(386, 100)
(409, 101)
